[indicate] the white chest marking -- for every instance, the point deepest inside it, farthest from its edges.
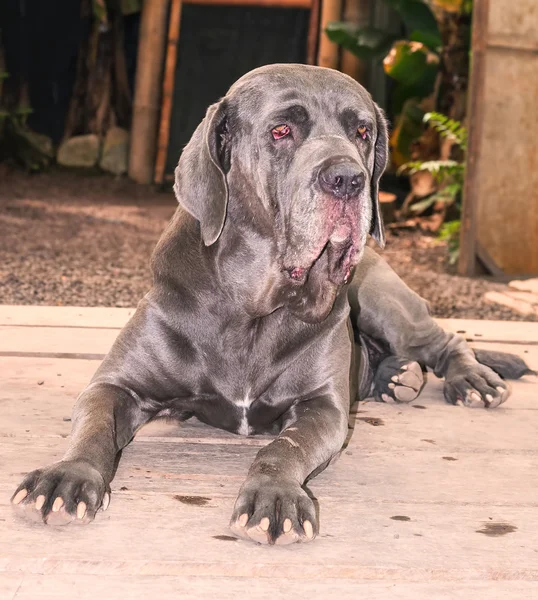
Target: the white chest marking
(245, 403)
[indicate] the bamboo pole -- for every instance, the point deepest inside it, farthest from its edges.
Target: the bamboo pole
(313, 33)
(168, 89)
(146, 105)
(268, 3)
(331, 10)
(357, 12)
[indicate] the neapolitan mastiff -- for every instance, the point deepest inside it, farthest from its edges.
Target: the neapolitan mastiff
(247, 325)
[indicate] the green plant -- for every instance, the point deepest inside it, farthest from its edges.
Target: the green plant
(448, 128)
(450, 233)
(412, 63)
(425, 67)
(449, 176)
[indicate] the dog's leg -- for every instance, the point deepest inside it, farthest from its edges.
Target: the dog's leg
(272, 506)
(105, 419)
(384, 308)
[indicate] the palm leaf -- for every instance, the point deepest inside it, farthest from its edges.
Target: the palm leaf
(448, 128)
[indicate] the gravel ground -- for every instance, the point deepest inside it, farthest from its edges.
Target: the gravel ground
(85, 240)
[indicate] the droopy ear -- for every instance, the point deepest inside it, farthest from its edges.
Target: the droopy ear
(377, 230)
(201, 186)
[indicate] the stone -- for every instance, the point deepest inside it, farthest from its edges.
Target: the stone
(115, 156)
(79, 151)
(526, 285)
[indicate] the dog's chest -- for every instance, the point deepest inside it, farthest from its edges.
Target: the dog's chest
(247, 390)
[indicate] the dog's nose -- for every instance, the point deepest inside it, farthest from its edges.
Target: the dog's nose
(342, 180)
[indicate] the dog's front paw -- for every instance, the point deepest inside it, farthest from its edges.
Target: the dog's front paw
(478, 387)
(398, 380)
(68, 491)
(270, 511)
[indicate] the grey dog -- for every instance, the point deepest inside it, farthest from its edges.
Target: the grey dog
(268, 314)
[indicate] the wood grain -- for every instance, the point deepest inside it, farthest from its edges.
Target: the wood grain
(412, 508)
(500, 193)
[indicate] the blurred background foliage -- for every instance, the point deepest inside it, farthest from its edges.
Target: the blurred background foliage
(429, 70)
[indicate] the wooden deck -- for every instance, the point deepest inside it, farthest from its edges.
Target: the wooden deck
(428, 501)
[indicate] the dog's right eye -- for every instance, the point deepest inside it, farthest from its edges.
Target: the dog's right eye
(280, 132)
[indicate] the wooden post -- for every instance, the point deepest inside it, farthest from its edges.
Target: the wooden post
(467, 263)
(146, 105)
(313, 33)
(357, 12)
(168, 89)
(331, 10)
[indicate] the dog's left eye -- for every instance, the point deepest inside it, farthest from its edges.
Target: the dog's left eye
(280, 132)
(363, 132)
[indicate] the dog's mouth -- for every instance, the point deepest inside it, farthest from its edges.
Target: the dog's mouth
(336, 250)
(339, 260)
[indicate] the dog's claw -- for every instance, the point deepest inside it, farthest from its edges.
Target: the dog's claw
(479, 388)
(308, 529)
(58, 503)
(62, 493)
(279, 512)
(19, 496)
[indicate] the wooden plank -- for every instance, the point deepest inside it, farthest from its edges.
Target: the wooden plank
(372, 472)
(507, 42)
(49, 341)
(149, 543)
(158, 536)
(116, 587)
(515, 332)
(515, 23)
(504, 47)
(65, 316)
(526, 285)
(524, 303)
(10, 584)
(511, 104)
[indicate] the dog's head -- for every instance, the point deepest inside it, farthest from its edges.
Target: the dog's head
(308, 146)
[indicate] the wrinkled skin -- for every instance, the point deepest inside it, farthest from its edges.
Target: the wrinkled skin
(247, 326)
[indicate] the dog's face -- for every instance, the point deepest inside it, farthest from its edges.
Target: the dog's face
(308, 145)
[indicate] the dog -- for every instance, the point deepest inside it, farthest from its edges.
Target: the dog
(268, 312)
